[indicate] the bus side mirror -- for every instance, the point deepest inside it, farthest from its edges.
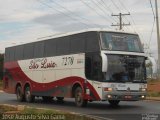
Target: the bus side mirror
(148, 63)
(104, 62)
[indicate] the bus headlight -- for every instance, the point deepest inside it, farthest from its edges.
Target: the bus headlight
(108, 89)
(109, 96)
(142, 96)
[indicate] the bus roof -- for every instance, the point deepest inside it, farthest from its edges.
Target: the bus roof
(81, 31)
(72, 33)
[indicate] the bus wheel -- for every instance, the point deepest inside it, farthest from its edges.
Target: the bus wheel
(60, 98)
(19, 94)
(79, 100)
(47, 98)
(114, 103)
(28, 97)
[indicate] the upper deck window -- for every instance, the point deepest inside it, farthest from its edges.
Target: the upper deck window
(121, 42)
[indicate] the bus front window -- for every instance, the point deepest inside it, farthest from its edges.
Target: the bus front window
(124, 68)
(121, 42)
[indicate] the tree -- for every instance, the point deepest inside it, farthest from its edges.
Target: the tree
(1, 65)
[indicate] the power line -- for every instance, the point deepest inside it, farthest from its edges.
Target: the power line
(120, 11)
(73, 13)
(100, 8)
(115, 5)
(149, 41)
(134, 27)
(106, 7)
(95, 11)
(132, 19)
(123, 8)
(153, 23)
(124, 16)
(152, 8)
(123, 5)
(62, 13)
(151, 34)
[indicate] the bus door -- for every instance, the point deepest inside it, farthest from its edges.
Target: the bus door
(93, 71)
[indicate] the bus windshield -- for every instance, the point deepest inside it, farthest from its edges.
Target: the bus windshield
(125, 68)
(121, 42)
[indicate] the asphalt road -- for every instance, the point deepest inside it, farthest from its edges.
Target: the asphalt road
(100, 110)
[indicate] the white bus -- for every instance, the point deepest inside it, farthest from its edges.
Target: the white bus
(95, 65)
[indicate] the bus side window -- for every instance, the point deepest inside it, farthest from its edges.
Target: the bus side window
(19, 52)
(38, 49)
(12, 54)
(63, 46)
(28, 51)
(50, 48)
(77, 43)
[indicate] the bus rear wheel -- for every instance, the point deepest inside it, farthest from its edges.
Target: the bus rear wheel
(60, 98)
(19, 94)
(47, 98)
(28, 96)
(114, 103)
(79, 100)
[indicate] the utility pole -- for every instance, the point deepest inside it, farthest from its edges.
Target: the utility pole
(158, 37)
(121, 24)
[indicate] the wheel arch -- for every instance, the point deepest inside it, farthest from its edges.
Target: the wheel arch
(75, 85)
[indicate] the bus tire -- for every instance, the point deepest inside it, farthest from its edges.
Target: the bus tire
(47, 98)
(79, 100)
(19, 94)
(114, 103)
(28, 96)
(60, 98)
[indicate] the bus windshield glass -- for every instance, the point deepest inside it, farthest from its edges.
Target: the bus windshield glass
(121, 42)
(125, 68)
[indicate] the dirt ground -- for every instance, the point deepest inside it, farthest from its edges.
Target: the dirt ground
(153, 86)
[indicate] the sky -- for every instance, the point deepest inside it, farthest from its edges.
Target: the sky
(23, 21)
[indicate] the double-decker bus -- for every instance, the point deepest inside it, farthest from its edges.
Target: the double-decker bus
(93, 65)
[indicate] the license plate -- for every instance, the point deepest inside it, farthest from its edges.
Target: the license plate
(127, 97)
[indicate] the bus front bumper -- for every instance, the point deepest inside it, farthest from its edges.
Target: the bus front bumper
(124, 96)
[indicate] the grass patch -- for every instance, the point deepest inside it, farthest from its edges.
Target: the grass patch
(4, 108)
(47, 114)
(153, 94)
